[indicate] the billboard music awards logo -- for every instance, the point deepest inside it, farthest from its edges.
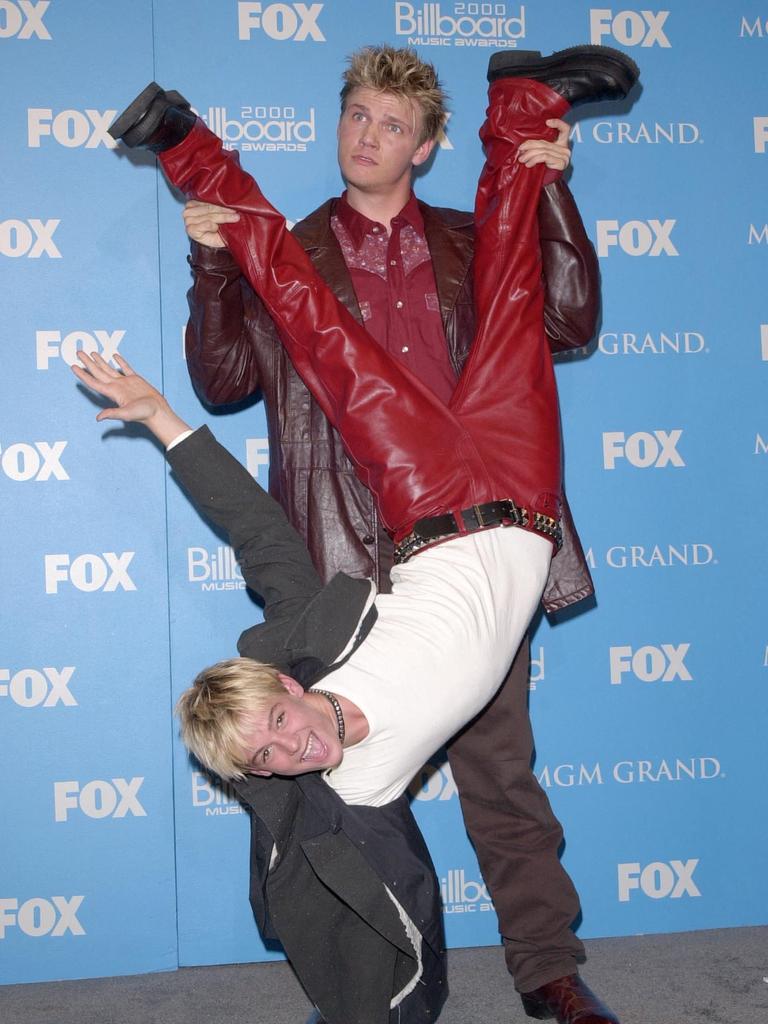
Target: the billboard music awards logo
(292, 22)
(263, 129)
(497, 25)
(70, 128)
(32, 238)
(98, 799)
(39, 461)
(214, 570)
(23, 19)
(536, 671)
(217, 799)
(659, 880)
(643, 450)
(52, 345)
(758, 234)
(649, 664)
(462, 895)
(628, 28)
(654, 556)
(39, 917)
(761, 445)
(627, 343)
(35, 688)
(628, 773)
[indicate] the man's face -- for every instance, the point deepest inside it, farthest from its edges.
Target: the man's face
(378, 137)
(293, 736)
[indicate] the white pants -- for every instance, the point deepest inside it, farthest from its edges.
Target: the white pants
(438, 652)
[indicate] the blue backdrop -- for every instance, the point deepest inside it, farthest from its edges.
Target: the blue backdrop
(117, 855)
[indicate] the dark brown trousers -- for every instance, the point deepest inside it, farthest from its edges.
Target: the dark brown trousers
(516, 835)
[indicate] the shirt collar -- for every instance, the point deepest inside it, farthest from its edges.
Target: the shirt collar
(358, 225)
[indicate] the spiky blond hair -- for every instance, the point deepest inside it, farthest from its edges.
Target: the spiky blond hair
(403, 73)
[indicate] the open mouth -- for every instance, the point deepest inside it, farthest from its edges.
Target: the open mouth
(315, 749)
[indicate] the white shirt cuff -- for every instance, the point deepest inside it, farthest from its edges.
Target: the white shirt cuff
(177, 440)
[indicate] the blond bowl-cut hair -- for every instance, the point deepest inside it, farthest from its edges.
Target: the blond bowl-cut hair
(214, 710)
(403, 73)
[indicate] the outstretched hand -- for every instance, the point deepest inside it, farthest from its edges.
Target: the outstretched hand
(135, 397)
(556, 155)
(136, 400)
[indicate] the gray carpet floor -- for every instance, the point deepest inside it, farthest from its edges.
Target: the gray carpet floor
(707, 977)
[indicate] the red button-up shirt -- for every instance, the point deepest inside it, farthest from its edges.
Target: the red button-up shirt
(395, 287)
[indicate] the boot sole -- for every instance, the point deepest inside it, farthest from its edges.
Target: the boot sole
(134, 113)
(534, 1008)
(603, 59)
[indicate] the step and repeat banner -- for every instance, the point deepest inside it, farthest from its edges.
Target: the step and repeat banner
(120, 856)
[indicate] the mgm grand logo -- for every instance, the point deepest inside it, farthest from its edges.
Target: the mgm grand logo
(691, 769)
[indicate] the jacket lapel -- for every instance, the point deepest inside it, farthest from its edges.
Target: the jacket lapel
(317, 237)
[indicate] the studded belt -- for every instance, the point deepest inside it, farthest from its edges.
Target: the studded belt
(469, 520)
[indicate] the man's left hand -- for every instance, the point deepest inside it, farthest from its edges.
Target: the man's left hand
(556, 155)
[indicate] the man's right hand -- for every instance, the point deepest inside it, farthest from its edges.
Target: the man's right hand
(136, 401)
(202, 222)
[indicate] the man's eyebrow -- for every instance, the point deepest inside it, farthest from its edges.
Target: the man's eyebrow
(386, 117)
(394, 118)
(259, 750)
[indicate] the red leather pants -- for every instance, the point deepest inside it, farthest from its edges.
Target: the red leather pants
(499, 436)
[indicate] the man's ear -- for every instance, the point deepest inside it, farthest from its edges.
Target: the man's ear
(423, 152)
(295, 689)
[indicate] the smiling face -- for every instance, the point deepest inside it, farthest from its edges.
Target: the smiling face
(379, 137)
(293, 736)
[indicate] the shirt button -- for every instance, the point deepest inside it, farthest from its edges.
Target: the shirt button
(368, 539)
(404, 348)
(375, 230)
(393, 263)
(399, 304)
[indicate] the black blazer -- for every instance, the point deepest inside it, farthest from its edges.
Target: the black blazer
(325, 896)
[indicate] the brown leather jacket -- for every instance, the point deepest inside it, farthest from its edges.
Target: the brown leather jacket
(233, 352)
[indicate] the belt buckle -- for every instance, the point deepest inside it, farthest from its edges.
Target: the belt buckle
(479, 516)
(515, 515)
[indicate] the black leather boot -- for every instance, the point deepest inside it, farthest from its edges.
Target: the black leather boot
(569, 1000)
(582, 74)
(156, 120)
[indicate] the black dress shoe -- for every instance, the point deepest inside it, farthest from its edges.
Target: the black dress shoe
(569, 1000)
(156, 120)
(582, 74)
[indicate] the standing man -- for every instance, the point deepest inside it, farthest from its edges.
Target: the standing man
(404, 269)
